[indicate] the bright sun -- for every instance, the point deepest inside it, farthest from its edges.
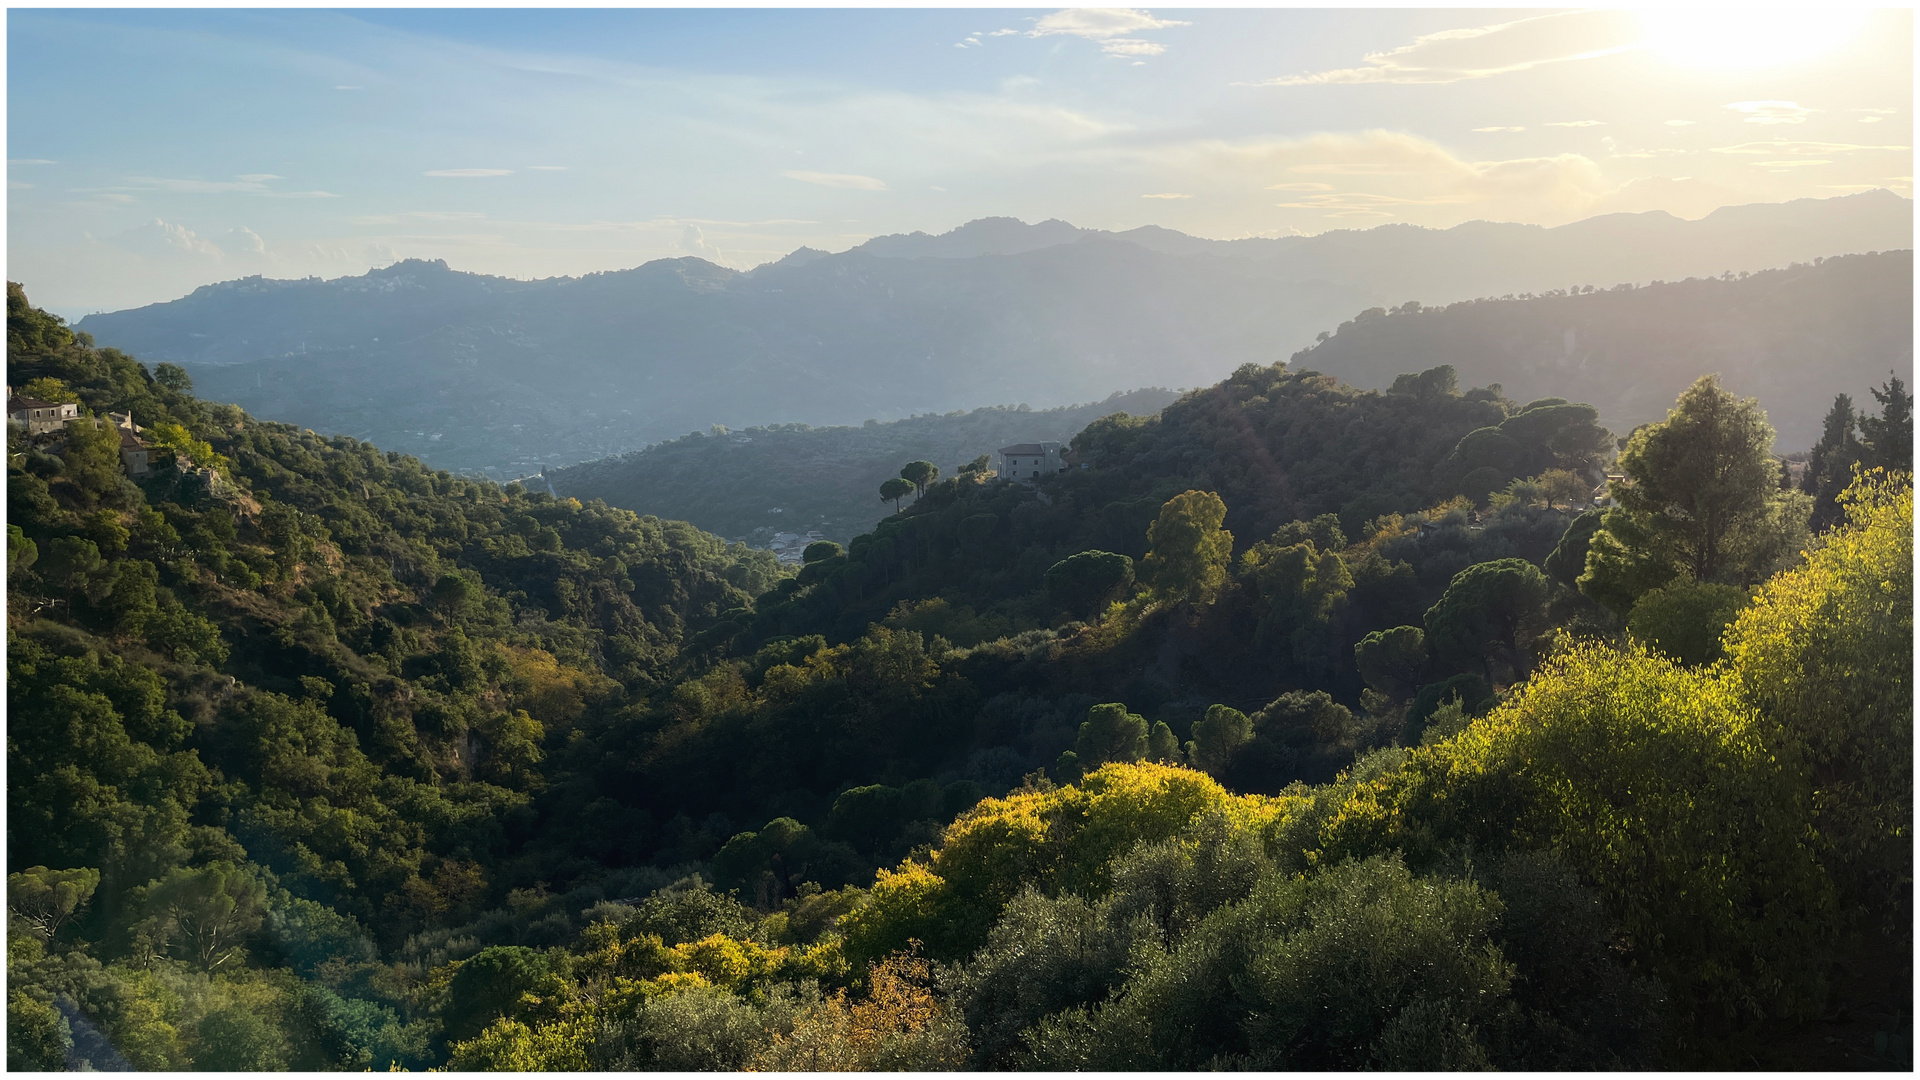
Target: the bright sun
(1751, 38)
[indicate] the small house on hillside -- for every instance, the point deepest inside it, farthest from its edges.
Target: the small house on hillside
(39, 417)
(133, 453)
(1027, 462)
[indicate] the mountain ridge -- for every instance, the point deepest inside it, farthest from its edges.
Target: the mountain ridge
(481, 372)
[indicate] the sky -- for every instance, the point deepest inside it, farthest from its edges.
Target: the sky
(154, 151)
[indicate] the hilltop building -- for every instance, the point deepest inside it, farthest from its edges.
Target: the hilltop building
(1027, 462)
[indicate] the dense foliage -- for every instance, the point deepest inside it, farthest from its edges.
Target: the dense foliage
(1269, 739)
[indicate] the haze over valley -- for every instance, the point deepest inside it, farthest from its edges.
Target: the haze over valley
(485, 373)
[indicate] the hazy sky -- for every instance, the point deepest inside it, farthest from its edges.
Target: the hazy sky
(151, 152)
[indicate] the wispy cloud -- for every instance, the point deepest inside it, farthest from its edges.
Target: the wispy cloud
(1576, 123)
(1485, 130)
(548, 168)
(836, 180)
(1389, 173)
(31, 161)
(180, 186)
(1115, 30)
(1680, 123)
(1772, 112)
(244, 184)
(1166, 195)
(1485, 51)
(1799, 148)
(164, 239)
(463, 173)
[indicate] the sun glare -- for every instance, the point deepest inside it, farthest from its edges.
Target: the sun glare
(1752, 38)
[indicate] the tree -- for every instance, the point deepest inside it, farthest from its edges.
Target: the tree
(1475, 621)
(1392, 661)
(48, 389)
(22, 552)
(893, 490)
(1215, 737)
(1565, 486)
(1826, 653)
(47, 898)
(1699, 500)
(173, 377)
(920, 474)
(1110, 733)
(1085, 582)
(1188, 551)
(487, 986)
(1831, 462)
(205, 914)
(819, 550)
(1686, 619)
(453, 595)
(1569, 558)
(1889, 436)
(1162, 745)
(1701, 476)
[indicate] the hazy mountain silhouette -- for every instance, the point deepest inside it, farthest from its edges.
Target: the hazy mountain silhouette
(749, 484)
(1793, 338)
(469, 370)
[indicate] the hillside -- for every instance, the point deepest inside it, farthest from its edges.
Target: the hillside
(748, 484)
(477, 372)
(1791, 337)
(320, 758)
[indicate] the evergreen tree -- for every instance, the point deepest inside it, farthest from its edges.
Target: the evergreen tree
(1889, 436)
(1830, 464)
(1700, 501)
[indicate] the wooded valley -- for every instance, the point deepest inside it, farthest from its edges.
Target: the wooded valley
(1305, 727)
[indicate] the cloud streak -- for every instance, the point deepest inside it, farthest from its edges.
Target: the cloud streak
(1772, 112)
(1115, 30)
(1483, 52)
(852, 181)
(467, 173)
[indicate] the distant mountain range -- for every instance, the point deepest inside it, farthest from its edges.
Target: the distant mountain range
(471, 371)
(750, 484)
(1793, 338)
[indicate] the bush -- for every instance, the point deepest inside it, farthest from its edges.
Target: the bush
(1656, 783)
(1685, 619)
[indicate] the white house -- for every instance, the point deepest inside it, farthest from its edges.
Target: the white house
(39, 416)
(1028, 462)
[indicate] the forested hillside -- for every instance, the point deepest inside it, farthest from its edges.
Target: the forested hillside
(1307, 727)
(1791, 337)
(751, 483)
(473, 372)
